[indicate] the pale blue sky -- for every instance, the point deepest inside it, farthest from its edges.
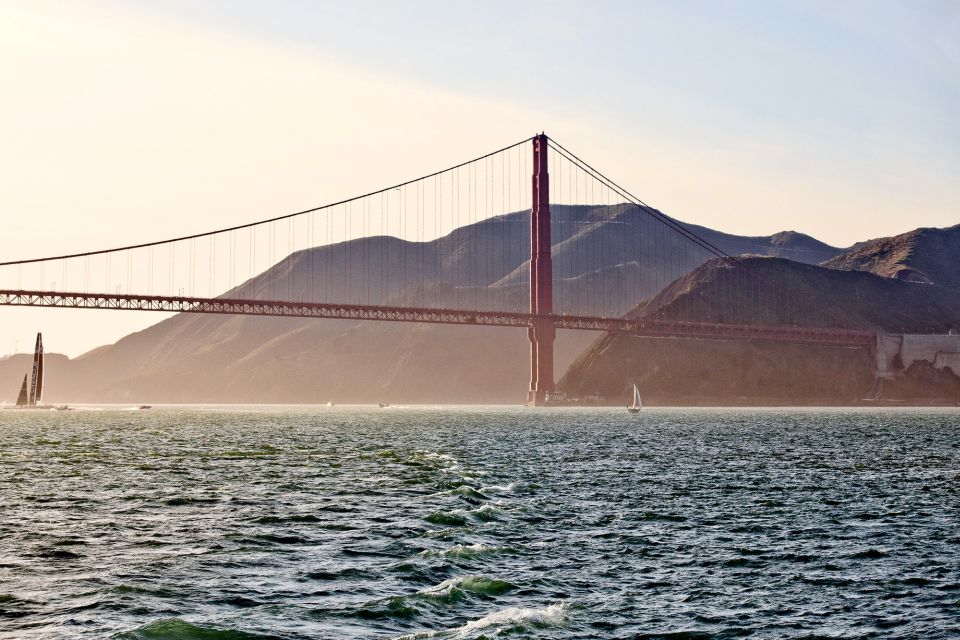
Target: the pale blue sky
(125, 121)
(858, 80)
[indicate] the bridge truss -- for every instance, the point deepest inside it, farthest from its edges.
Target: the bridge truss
(649, 328)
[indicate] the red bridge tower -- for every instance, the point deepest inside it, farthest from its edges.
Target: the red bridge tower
(542, 331)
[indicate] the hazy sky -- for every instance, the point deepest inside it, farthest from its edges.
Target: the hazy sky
(122, 122)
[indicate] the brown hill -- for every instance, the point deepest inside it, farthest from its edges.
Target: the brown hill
(785, 292)
(704, 371)
(924, 255)
(195, 358)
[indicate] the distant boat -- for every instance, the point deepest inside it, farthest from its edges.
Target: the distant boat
(31, 391)
(330, 404)
(145, 406)
(383, 405)
(635, 407)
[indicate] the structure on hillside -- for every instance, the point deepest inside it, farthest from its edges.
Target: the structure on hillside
(897, 351)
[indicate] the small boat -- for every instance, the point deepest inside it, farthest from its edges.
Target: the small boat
(145, 406)
(635, 407)
(383, 405)
(330, 404)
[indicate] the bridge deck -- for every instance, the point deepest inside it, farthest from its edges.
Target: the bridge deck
(637, 327)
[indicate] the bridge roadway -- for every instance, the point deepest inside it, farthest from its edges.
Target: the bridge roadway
(638, 327)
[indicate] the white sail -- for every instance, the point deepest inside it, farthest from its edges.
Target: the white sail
(636, 398)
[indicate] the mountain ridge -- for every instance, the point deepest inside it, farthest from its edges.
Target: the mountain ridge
(197, 358)
(925, 255)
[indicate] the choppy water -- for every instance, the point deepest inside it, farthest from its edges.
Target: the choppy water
(447, 523)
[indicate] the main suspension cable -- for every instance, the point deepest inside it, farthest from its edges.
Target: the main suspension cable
(260, 222)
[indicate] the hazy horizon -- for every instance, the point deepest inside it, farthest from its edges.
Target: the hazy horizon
(220, 113)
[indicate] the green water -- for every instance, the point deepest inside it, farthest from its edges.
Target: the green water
(473, 522)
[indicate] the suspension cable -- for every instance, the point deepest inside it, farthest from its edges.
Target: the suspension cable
(664, 219)
(261, 222)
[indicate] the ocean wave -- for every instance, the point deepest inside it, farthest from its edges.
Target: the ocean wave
(437, 460)
(451, 519)
(466, 551)
(464, 491)
(285, 519)
(134, 590)
(551, 615)
(460, 517)
(486, 513)
(177, 629)
(471, 584)
(499, 488)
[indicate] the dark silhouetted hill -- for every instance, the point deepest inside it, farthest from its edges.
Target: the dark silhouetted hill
(728, 372)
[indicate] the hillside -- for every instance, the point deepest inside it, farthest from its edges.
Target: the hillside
(925, 255)
(806, 295)
(703, 371)
(195, 358)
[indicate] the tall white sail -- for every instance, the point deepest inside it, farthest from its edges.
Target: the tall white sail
(635, 407)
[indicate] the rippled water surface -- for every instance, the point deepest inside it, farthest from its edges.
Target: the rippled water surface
(470, 523)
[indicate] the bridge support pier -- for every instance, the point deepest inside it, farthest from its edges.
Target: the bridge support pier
(542, 334)
(542, 331)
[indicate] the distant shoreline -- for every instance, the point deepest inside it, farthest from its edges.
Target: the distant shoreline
(652, 404)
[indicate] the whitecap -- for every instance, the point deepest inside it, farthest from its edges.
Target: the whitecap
(444, 587)
(474, 584)
(501, 488)
(549, 615)
(461, 551)
(485, 513)
(554, 614)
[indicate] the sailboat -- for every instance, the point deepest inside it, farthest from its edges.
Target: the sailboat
(635, 407)
(31, 391)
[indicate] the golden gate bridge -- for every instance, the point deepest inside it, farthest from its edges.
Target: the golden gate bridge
(528, 236)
